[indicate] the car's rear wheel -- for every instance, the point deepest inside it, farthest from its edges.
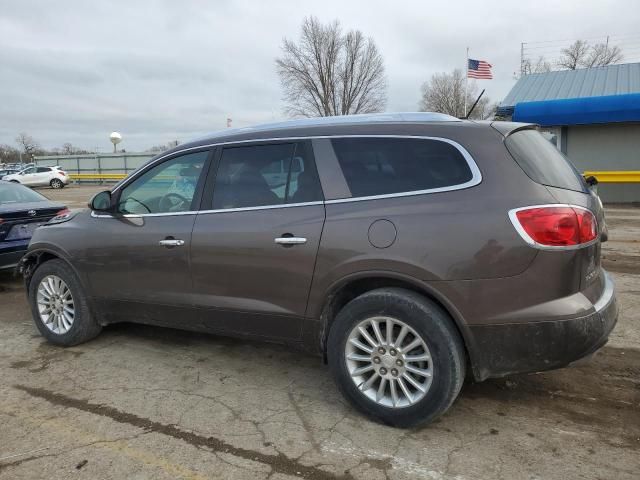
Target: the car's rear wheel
(59, 305)
(56, 183)
(397, 356)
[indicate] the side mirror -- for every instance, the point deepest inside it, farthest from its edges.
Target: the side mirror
(101, 201)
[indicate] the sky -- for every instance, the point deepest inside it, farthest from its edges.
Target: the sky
(76, 70)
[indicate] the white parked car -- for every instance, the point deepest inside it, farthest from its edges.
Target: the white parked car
(40, 176)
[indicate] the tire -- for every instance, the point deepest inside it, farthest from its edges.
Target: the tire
(437, 339)
(83, 326)
(56, 183)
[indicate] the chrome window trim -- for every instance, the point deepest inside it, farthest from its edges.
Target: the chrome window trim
(530, 241)
(476, 175)
(141, 215)
(262, 207)
(200, 212)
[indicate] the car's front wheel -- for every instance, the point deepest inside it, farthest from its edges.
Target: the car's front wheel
(56, 183)
(59, 305)
(397, 356)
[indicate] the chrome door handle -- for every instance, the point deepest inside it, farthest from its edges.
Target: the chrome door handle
(291, 240)
(171, 242)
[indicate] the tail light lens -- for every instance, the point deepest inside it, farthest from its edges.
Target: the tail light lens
(64, 211)
(62, 172)
(555, 226)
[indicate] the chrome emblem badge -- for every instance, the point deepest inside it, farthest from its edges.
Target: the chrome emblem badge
(32, 213)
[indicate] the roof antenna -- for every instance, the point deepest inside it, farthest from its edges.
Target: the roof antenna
(474, 105)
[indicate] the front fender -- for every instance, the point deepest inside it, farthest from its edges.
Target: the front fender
(40, 252)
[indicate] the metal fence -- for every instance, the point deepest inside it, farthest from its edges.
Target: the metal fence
(99, 167)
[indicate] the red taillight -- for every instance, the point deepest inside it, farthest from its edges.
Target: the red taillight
(62, 173)
(64, 211)
(556, 226)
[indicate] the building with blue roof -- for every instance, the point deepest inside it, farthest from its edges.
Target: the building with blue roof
(592, 115)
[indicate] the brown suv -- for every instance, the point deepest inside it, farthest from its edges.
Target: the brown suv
(407, 249)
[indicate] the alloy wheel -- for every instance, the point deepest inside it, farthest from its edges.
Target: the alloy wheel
(389, 362)
(55, 304)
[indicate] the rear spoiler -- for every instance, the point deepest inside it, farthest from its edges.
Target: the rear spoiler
(507, 128)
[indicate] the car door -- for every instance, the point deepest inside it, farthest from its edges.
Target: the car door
(42, 176)
(138, 259)
(255, 240)
(28, 176)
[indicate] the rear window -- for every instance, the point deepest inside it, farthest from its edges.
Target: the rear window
(543, 162)
(12, 193)
(379, 166)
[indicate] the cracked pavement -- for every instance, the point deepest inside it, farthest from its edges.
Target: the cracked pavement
(146, 402)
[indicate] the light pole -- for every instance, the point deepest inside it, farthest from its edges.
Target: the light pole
(115, 138)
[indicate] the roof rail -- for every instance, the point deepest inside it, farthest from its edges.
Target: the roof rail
(399, 117)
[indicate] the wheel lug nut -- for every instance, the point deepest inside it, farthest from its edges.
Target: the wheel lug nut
(383, 371)
(381, 351)
(376, 359)
(393, 352)
(394, 372)
(399, 362)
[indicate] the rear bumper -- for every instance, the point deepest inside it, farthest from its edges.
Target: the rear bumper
(536, 346)
(12, 252)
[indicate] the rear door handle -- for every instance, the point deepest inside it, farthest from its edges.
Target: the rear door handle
(291, 240)
(171, 242)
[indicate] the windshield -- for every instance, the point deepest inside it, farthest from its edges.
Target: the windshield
(12, 193)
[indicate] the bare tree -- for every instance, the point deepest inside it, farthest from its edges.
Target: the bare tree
(582, 55)
(539, 66)
(574, 55)
(9, 154)
(445, 93)
(68, 149)
(164, 147)
(330, 73)
(602, 54)
(27, 144)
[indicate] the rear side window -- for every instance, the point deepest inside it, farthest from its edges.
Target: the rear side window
(264, 175)
(543, 162)
(380, 166)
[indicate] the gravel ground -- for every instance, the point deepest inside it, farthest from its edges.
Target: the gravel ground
(146, 402)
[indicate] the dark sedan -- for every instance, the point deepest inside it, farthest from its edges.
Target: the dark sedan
(21, 211)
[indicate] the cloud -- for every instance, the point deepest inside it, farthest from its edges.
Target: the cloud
(163, 70)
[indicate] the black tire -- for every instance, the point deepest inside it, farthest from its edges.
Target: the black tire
(84, 326)
(56, 183)
(437, 330)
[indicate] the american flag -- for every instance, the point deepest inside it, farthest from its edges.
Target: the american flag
(479, 69)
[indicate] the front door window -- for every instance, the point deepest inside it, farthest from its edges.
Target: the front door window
(166, 188)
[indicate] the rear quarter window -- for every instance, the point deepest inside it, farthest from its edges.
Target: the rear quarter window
(381, 166)
(543, 162)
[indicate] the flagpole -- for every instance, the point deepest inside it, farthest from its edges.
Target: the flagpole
(466, 83)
